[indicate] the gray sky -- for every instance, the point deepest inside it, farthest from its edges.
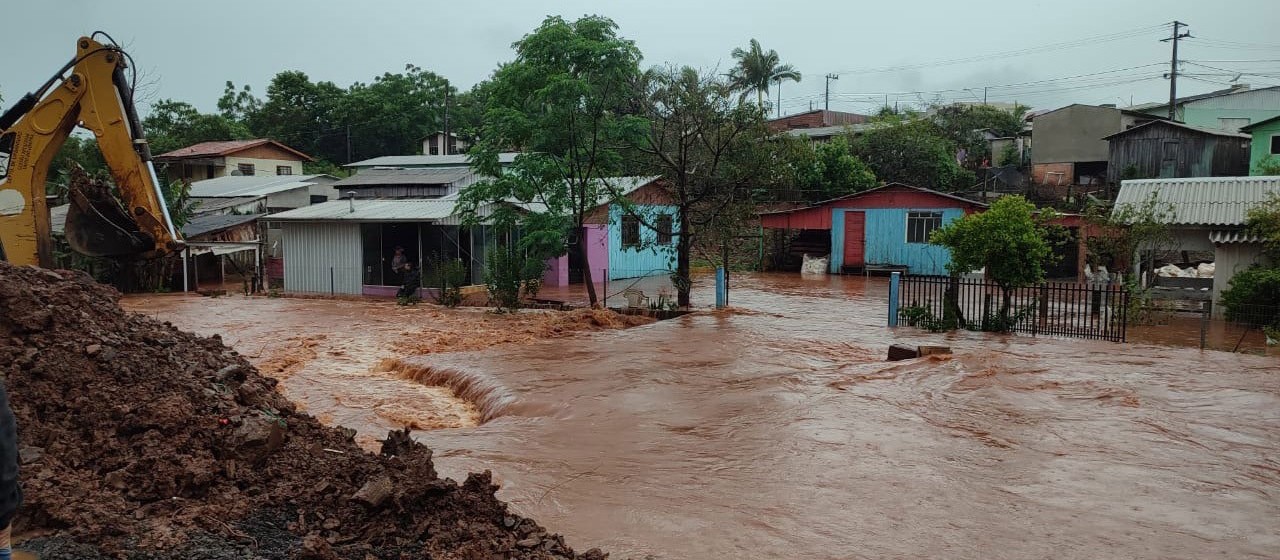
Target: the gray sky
(187, 50)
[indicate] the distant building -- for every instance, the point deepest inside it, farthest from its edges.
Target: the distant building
(623, 244)
(1228, 109)
(1163, 149)
(456, 160)
(411, 182)
(1265, 142)
(441, 144)
(209, 160)
(815, 119)
(1069, 146)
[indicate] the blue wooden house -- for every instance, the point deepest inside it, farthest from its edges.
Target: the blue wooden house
(882, 228)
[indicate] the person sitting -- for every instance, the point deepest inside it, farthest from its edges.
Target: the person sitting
(412, 281)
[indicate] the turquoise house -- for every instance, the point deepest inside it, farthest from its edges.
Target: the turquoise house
(1265, 143)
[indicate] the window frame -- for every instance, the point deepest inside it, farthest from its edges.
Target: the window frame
(288, 170)
(629, 224)
(252, 169)
(665, 235)
(1274, 148)
(922, 220)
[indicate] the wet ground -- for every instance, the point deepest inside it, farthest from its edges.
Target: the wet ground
(777, 431)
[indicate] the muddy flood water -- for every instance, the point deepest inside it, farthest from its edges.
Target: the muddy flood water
(778, 431)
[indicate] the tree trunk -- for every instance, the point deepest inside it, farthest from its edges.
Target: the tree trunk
(683, 247)
(592, 299)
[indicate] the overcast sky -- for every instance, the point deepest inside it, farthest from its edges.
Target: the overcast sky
(188, 50)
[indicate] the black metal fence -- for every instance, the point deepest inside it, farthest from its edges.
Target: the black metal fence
(1095, 311)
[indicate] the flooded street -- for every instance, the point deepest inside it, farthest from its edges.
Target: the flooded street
(778, 431)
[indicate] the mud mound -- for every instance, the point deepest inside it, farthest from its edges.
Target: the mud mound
(137, 436)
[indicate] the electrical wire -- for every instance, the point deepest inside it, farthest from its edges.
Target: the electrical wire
(1119, 35)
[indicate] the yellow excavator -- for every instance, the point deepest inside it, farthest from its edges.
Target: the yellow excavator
(92, 91)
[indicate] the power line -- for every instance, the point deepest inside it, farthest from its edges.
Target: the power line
(1016, 52)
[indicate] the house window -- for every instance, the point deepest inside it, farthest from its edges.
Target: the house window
(1275, 145)
(245, 168)
(664, 227)
(209, 171)
(630, 231)
(1170, 150)
(921, 224)
(284, 170)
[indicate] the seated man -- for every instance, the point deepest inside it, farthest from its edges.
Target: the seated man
(412, 281)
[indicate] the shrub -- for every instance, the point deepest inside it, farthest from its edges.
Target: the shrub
(508, 271)
(447, 277)
(1253, 296)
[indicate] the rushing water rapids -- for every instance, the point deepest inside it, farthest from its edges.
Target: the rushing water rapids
(778, 431)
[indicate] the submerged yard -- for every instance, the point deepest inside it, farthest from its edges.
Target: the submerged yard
(776, 429)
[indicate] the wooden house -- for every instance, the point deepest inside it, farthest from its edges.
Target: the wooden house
(1167, 150)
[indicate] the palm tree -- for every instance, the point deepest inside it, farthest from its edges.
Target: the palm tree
(756, 69)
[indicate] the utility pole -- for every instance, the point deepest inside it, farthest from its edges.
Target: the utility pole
(448, 144)
(984, 94)
(1173, 67)
(828, 95)
(348, 143)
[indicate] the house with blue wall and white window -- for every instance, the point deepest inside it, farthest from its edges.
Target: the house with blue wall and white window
(886, 228)
(631, 233)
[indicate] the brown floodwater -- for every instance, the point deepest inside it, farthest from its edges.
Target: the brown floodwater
(778, 431)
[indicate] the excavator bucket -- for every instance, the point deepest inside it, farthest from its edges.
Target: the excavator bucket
(98, 226)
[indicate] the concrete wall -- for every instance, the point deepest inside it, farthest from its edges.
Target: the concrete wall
(1231, 259)
(260, 166)
(1191, 239)
(1047, 173)
(313, 249)
(886, 240)
(649, 258)
(1074, 134)
(323, 186)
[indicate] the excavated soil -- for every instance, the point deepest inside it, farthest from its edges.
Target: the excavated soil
(142, 441)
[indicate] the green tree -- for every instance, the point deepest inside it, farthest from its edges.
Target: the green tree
(1010, 241)
(392, 114)
(694, 139)
(963, 125)
(176, 124)
(913, 152)
(1136, 232)
(237, 105)
(304, 115)
(563, 102)
(836, 172)
(81, 151)
(1263, 221)
(1253, 296)
(756, 69)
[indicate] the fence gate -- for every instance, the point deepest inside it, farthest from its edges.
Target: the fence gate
(1094, 310)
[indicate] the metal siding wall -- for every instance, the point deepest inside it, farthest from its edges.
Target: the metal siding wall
(311, 249)
(650, 259)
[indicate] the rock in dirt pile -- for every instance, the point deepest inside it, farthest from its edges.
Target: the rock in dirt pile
(142, 441)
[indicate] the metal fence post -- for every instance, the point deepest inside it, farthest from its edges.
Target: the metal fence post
(895, 280)
(1205, 309)
(331, 286)
(721, 292)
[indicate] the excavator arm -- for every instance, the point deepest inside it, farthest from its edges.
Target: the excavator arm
(95, 95)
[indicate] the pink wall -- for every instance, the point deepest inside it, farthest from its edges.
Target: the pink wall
(597, 239)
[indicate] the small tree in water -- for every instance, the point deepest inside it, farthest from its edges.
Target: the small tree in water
(1009, 241)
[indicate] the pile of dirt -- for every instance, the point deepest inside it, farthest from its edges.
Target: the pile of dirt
(147, 442)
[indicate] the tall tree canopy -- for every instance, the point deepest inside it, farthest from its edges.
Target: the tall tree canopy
(913, 152)
(756, 69)
(694, 139)
(563, 102)
(176, 124)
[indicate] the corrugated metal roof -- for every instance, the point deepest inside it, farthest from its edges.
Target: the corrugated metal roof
(825, 131)
(456, 160)
(252, 185)
(207, 205)
(1201, 200)
(1210, 131)
(394, 210)
(1233, 236)
(225, 147)
(210, 223)
(406, 176)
